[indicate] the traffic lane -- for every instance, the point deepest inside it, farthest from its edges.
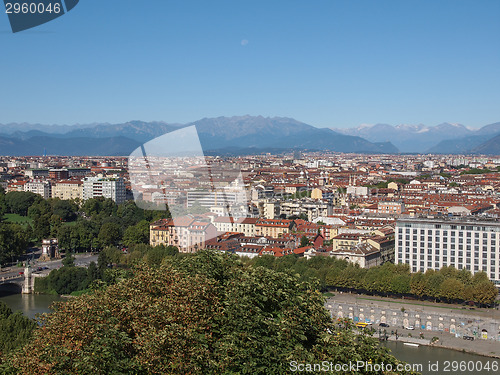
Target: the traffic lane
(81, 260)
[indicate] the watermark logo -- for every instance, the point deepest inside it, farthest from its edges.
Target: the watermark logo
(171, 172)
(26, 14)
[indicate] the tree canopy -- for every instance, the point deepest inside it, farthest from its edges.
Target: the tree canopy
(201, 314)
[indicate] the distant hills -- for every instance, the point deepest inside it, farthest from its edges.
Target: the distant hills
(490, 147)
(225, 135)
(249, 132)
(249, 135)
(445, 138)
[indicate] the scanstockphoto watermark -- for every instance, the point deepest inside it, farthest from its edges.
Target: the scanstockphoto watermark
(26, 14)
(353, 366)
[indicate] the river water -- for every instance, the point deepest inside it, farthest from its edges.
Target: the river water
(434, 361)
(30, 304)
(437, 361)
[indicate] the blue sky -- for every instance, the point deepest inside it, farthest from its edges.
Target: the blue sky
(328, 63)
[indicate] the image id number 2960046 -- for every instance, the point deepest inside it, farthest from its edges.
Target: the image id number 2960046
(31, 7)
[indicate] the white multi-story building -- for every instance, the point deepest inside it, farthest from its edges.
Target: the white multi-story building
(221, 197)
(113, 188)
(434, 243)
(38, 187)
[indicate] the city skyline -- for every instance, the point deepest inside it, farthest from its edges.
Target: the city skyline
(330, 64)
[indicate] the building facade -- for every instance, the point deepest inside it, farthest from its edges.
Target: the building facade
(67, 190)
(112, 188)
(38, 187)
(188, 233)
(464, 244)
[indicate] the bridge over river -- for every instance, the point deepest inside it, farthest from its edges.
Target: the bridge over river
(24, 279)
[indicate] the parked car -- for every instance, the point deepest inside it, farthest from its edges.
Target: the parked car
(409, 327)
(383, 325)
(471, 338)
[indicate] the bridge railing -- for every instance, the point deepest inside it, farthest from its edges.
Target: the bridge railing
(8, 278)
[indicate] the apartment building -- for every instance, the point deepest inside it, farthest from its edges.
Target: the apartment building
(464, 244)
(188, 233)
(273, 228)
(221, 197)
(67, 189)
(363, 254)
(229, 224)
(41, 188)
(113, 188)
(391, 208)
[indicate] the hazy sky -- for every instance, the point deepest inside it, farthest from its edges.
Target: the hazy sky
(327, 63)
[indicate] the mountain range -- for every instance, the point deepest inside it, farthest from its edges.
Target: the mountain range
(445, 138)
(225, 135)
(249, 135)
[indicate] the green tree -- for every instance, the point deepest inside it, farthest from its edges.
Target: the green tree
(13, 241)
(15, 329)
(64, 209)
(69, 260)
(201, 314)
(452, 289)
(109, 234)
(304, 241)
(3, 203)
(130, 214)
(18, 202)
(64, 280)
(157, 254)
(137, 234)
(485, 293)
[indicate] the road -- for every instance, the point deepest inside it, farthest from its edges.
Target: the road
(81, 260)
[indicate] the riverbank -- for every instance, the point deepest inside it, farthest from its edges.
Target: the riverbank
(447, 341)
(449, 323)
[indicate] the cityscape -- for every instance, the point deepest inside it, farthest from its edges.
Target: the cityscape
(264, 187)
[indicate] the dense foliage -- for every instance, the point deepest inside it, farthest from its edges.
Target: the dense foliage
(79, 226)
(201, 314)
(15, 329)
(112, 264)
(13, 241)
(68, 279)
(447, 284)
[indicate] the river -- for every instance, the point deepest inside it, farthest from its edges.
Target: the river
(31, 305)
(437, 361)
